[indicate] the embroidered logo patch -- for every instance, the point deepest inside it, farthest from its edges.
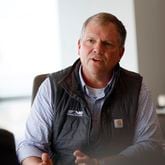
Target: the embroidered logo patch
(75, 113)
(118, 123)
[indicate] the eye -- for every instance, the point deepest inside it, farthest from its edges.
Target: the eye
(91, 40)
(107, 44)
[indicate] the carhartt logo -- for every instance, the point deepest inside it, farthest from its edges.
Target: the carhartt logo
(74, 113)
(118, 123)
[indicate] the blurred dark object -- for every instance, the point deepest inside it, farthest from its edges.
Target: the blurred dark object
(7, 148)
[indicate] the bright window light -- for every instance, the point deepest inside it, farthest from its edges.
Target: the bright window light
(29, 44)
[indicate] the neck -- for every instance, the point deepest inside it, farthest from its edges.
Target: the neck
(97, 81)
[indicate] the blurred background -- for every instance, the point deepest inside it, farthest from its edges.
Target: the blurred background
(40, 36)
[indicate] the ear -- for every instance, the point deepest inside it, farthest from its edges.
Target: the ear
(121, 52)
(79, 46)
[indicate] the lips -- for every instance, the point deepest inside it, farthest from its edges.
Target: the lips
(96, 59)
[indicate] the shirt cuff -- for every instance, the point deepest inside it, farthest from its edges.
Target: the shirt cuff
(27, 151)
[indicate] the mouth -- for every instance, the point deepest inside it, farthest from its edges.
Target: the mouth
(96, 59)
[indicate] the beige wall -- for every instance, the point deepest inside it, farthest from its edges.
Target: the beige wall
(150, 27)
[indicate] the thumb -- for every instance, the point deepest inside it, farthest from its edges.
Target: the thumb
(78, 153)
(45, 158)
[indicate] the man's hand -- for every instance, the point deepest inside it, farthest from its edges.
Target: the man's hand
(46, 160)
(83, 159)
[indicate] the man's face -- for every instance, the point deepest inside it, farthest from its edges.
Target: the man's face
(99, 49)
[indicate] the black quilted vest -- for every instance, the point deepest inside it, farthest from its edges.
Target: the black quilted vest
(72, 121)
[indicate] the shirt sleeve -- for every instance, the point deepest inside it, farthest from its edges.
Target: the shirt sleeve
(147, 141)
(38, 126)
(147, 131)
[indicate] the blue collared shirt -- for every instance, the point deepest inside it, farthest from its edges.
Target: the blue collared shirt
(39, 123)
(95, 97)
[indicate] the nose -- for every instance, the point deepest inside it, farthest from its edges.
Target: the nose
(98, 48)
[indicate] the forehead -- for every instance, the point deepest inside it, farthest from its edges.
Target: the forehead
(105, 30)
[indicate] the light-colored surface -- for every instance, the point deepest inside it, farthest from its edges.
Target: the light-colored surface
(29, 43)
(161, 111)
(161, 100)
(74, 13)
(150, 25)
(13, 115)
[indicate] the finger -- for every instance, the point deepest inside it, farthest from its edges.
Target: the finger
(81, 158)
(45, 157)
(78, 153)
(81, 161)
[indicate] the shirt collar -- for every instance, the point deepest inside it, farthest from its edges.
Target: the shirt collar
(84, 85)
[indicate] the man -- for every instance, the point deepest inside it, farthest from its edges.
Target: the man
(94, 112)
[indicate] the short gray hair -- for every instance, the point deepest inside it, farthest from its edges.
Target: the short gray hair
(105, 18)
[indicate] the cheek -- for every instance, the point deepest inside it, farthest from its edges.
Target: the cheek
(84, 51)
(112, 57)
